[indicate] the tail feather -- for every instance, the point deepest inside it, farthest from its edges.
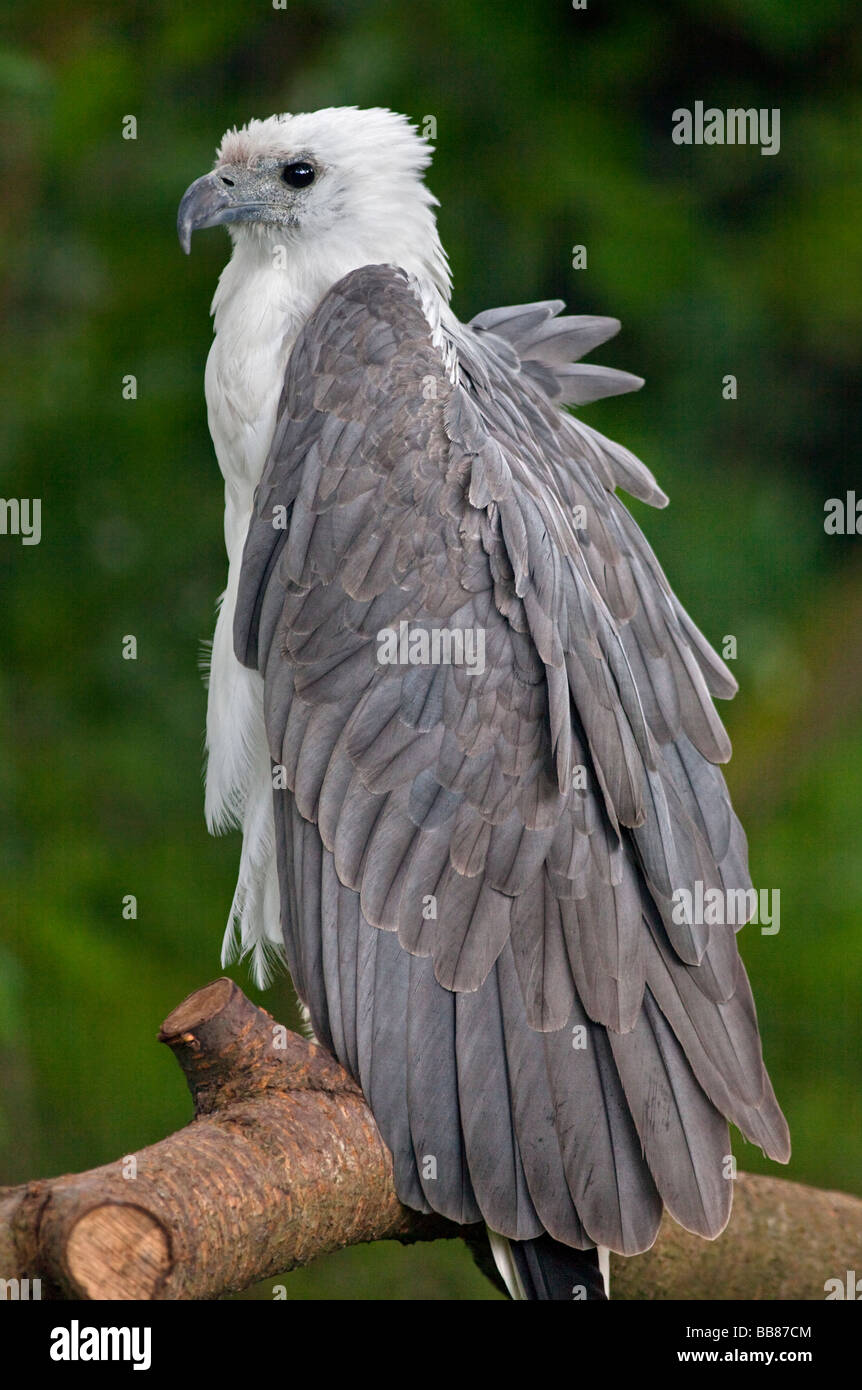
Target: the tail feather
(546, 1270)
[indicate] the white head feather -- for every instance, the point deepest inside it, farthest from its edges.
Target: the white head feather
(368, 203)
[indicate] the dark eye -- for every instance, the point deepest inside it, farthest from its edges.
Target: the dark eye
(298, 175)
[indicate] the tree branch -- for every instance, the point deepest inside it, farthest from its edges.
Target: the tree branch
(283, 1162)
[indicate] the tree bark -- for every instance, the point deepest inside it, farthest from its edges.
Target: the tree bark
(283, 1162)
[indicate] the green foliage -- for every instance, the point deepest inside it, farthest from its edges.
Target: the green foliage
(553, 130)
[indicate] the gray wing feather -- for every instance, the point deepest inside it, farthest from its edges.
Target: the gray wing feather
(473, 864)
(485, 1096)
(612, 1187)
(432, 1096)
(382, 992)
(685, 1139)
(533, 1112)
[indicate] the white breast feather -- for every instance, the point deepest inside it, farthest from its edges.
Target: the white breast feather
(245, 372)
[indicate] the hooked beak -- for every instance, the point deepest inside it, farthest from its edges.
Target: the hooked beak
(210, 202)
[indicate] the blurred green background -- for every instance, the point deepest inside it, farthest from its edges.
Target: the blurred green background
(553, 129)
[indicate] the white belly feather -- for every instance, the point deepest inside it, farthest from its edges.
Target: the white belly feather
(244, 376)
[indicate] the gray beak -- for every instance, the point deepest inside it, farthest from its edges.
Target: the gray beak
(210, 202)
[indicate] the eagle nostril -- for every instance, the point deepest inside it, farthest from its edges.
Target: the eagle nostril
(228, 182)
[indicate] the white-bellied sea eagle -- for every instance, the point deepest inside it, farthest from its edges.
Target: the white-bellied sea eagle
(464, 723)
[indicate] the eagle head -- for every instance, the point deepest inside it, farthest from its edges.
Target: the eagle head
(341, 182)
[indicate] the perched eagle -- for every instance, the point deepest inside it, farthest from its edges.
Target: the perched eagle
(464, 723)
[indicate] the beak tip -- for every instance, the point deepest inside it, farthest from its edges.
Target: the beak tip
(205, 203)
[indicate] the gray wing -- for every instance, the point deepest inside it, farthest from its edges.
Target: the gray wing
(477, 867)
